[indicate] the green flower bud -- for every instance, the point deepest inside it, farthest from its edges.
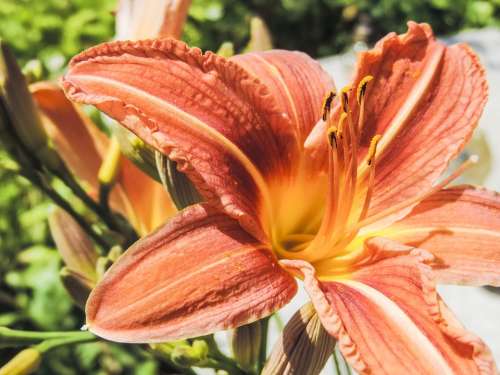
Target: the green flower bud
(25, 362)
(181, 190)
(76, 249)
(226, 49)
(303, 347)
(246, 345)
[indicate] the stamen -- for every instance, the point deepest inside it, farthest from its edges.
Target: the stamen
(360, 93)
(360, 96)
(373, 149)
(372, 219)
(327, 104)
(344, 98)
(349, 169)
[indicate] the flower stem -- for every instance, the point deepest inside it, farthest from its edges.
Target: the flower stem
(84, 337)
(65, 205)
(11, 337)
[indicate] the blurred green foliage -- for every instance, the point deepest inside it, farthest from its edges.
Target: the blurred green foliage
(325, 27)
(54, 30)
(31, 295)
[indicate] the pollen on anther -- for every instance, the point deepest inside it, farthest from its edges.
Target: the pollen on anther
(327, 103)
(360, 93)
(331, 134)
(344, 98)
(372, 150)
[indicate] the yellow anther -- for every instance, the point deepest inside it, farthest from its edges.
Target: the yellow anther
(331, 134)
(360, 93)
(342, 118)
(373, 148)
(327, 103)
(344, 98)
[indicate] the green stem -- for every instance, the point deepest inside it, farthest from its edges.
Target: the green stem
(12, 337)
(70, 340)
(219, 360)
(101, 209)
(61, 202)
(263, 345)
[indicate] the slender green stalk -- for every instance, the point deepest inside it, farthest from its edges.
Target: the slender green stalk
(47, 345)
(65, 205)
(263, 345)
(219, 360)
(101, 209)
(12, 337)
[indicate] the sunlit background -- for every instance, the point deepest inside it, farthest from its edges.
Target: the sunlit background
(44, 34)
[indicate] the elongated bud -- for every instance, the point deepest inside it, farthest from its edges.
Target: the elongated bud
(25, 362)
(304, 346)
(246, 345)
(134, 149)
(181, 190)
(226, 50)
(260, 37)
(21, 112)
(77, 285)
(73, 244)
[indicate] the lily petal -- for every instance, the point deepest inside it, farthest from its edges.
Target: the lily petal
(461, 227)
(425, 100)
(218, 123)
(204, 274)
(82, 146)
(79, 142)
(142, 19)
(297, 82)
(388, 319)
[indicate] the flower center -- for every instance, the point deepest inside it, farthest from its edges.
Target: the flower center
(350, 185)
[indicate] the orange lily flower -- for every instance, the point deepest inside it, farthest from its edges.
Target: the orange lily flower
(344, 196)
